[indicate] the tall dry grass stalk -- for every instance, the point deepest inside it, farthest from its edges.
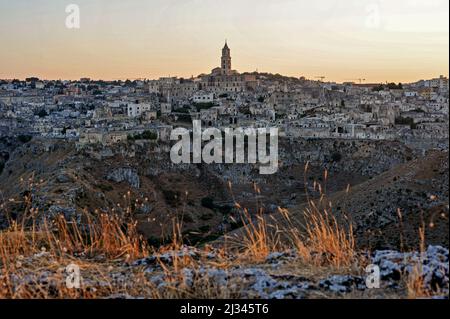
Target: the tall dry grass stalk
(415, 281)
(106, 235)
(182, 272)
(318, 236)
(174, 271)
(64, 242)
(331, 243)
(258, 239)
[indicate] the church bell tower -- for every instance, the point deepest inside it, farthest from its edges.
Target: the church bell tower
(226, 60)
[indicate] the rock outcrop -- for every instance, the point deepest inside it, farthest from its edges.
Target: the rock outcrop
(125, 174)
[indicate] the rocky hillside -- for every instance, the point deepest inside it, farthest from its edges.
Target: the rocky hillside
(391, 207)
(392, 193)
(387, 210)
(139, 179)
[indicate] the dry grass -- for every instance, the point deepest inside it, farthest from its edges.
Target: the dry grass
(202, 287)
(103, 244)
(258, 240)
(331, 243)
(106, 235)
(100, 248)
(63, 243)
(319, 238)
(415, 282)
(108, 239)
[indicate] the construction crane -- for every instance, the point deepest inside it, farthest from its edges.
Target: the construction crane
(321, 77)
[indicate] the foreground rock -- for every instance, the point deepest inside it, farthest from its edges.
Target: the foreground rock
(280, 276)
(264, 281)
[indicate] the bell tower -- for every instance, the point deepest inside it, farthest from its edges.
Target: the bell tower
(226, 60)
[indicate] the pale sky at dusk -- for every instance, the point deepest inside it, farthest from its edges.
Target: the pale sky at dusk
(380, 40)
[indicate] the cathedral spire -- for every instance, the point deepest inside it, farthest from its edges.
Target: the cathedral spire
(226, 59)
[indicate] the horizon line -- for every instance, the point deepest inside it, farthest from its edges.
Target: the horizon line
(123, 79)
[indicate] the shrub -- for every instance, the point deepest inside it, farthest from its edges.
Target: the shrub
(105, 187)
(203, 106)
(206, 217)
(226, 209)
(171, 197)
(406, 121)
(205, 228)
(188, 218)
(186, 118)
(336, 157)
(208, 202)
(146, 135)
(42, 113)
(183, 110)
(25, 138)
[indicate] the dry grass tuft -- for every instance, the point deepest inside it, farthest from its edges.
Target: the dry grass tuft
(103, 245)
(319, 238)
(106, 235)
(415, 281)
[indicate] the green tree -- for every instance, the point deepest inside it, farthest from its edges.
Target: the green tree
(25, 138)
(42, 113)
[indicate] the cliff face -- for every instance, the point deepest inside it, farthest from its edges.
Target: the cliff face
(141, 179)
(392, 193)
(124, 174)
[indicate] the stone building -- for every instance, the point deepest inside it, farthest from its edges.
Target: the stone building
(137, 109)
(385, 113)
(224, 79)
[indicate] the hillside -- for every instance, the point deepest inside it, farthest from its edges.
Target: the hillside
(141, 227)
(397, 202)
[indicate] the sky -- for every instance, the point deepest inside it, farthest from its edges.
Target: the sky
(343, 40)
